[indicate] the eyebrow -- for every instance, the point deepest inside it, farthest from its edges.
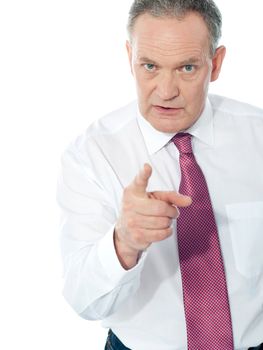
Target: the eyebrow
(146, 59)
(191, 60)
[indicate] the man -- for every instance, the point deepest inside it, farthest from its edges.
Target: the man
(163, 199)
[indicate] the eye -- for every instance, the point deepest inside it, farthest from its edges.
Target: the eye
(149, 67)
(188, 68)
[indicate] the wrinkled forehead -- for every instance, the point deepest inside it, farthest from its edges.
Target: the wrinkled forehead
(167, 35)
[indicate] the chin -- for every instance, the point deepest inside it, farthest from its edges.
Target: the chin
(171, 129)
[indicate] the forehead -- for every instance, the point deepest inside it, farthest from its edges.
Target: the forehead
(169, 36)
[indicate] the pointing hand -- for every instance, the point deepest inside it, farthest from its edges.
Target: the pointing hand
(145, 217)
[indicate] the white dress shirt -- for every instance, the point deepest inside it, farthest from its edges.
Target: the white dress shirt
(144, 306)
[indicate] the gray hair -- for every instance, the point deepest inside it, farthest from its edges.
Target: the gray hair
(207, 9)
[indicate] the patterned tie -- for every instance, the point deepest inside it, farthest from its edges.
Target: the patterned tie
(207, 311)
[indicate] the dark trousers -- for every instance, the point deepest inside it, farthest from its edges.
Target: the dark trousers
(113, 343)
(260, 347)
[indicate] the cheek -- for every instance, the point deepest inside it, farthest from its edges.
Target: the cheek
(144, 86)
(198, 88)
(195, 96)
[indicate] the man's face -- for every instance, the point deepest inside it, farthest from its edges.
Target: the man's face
(172, 67)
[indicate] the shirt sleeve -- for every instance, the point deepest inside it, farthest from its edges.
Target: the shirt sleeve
(95, 283)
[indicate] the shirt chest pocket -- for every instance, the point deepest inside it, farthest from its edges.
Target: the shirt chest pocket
(246, 229)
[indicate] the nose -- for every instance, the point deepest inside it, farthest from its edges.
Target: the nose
(167, 86)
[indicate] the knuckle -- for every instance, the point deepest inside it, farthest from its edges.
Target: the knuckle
(159, 235)
(167, 222)
(160, 208)
(162, 234)
(169, 231)
(131, 222)
(162, 222)
(138, 236)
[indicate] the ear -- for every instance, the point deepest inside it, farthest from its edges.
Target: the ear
(217, 62)
(129, 51)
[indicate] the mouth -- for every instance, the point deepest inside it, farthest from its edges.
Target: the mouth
(167, 110)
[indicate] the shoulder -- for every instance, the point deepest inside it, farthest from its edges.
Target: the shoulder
(113, 121)
(106, 136)
(235, 108)
(111, 145)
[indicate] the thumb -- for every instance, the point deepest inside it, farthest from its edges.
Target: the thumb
(140, 182)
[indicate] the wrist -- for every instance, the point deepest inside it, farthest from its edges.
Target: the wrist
(127, 255)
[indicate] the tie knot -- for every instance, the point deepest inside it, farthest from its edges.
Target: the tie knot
(183, 142)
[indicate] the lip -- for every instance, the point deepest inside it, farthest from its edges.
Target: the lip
(169, 111)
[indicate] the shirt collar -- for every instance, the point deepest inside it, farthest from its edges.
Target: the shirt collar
(201, 129)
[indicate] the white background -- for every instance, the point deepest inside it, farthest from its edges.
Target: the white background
(62, 65)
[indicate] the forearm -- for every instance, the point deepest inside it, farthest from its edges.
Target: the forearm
(95, 282)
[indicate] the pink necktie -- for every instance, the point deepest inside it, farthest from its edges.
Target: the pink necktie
(207, 311)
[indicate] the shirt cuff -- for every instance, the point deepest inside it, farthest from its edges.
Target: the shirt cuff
(111, 264)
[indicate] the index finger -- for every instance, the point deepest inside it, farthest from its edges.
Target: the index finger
(173, 198)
